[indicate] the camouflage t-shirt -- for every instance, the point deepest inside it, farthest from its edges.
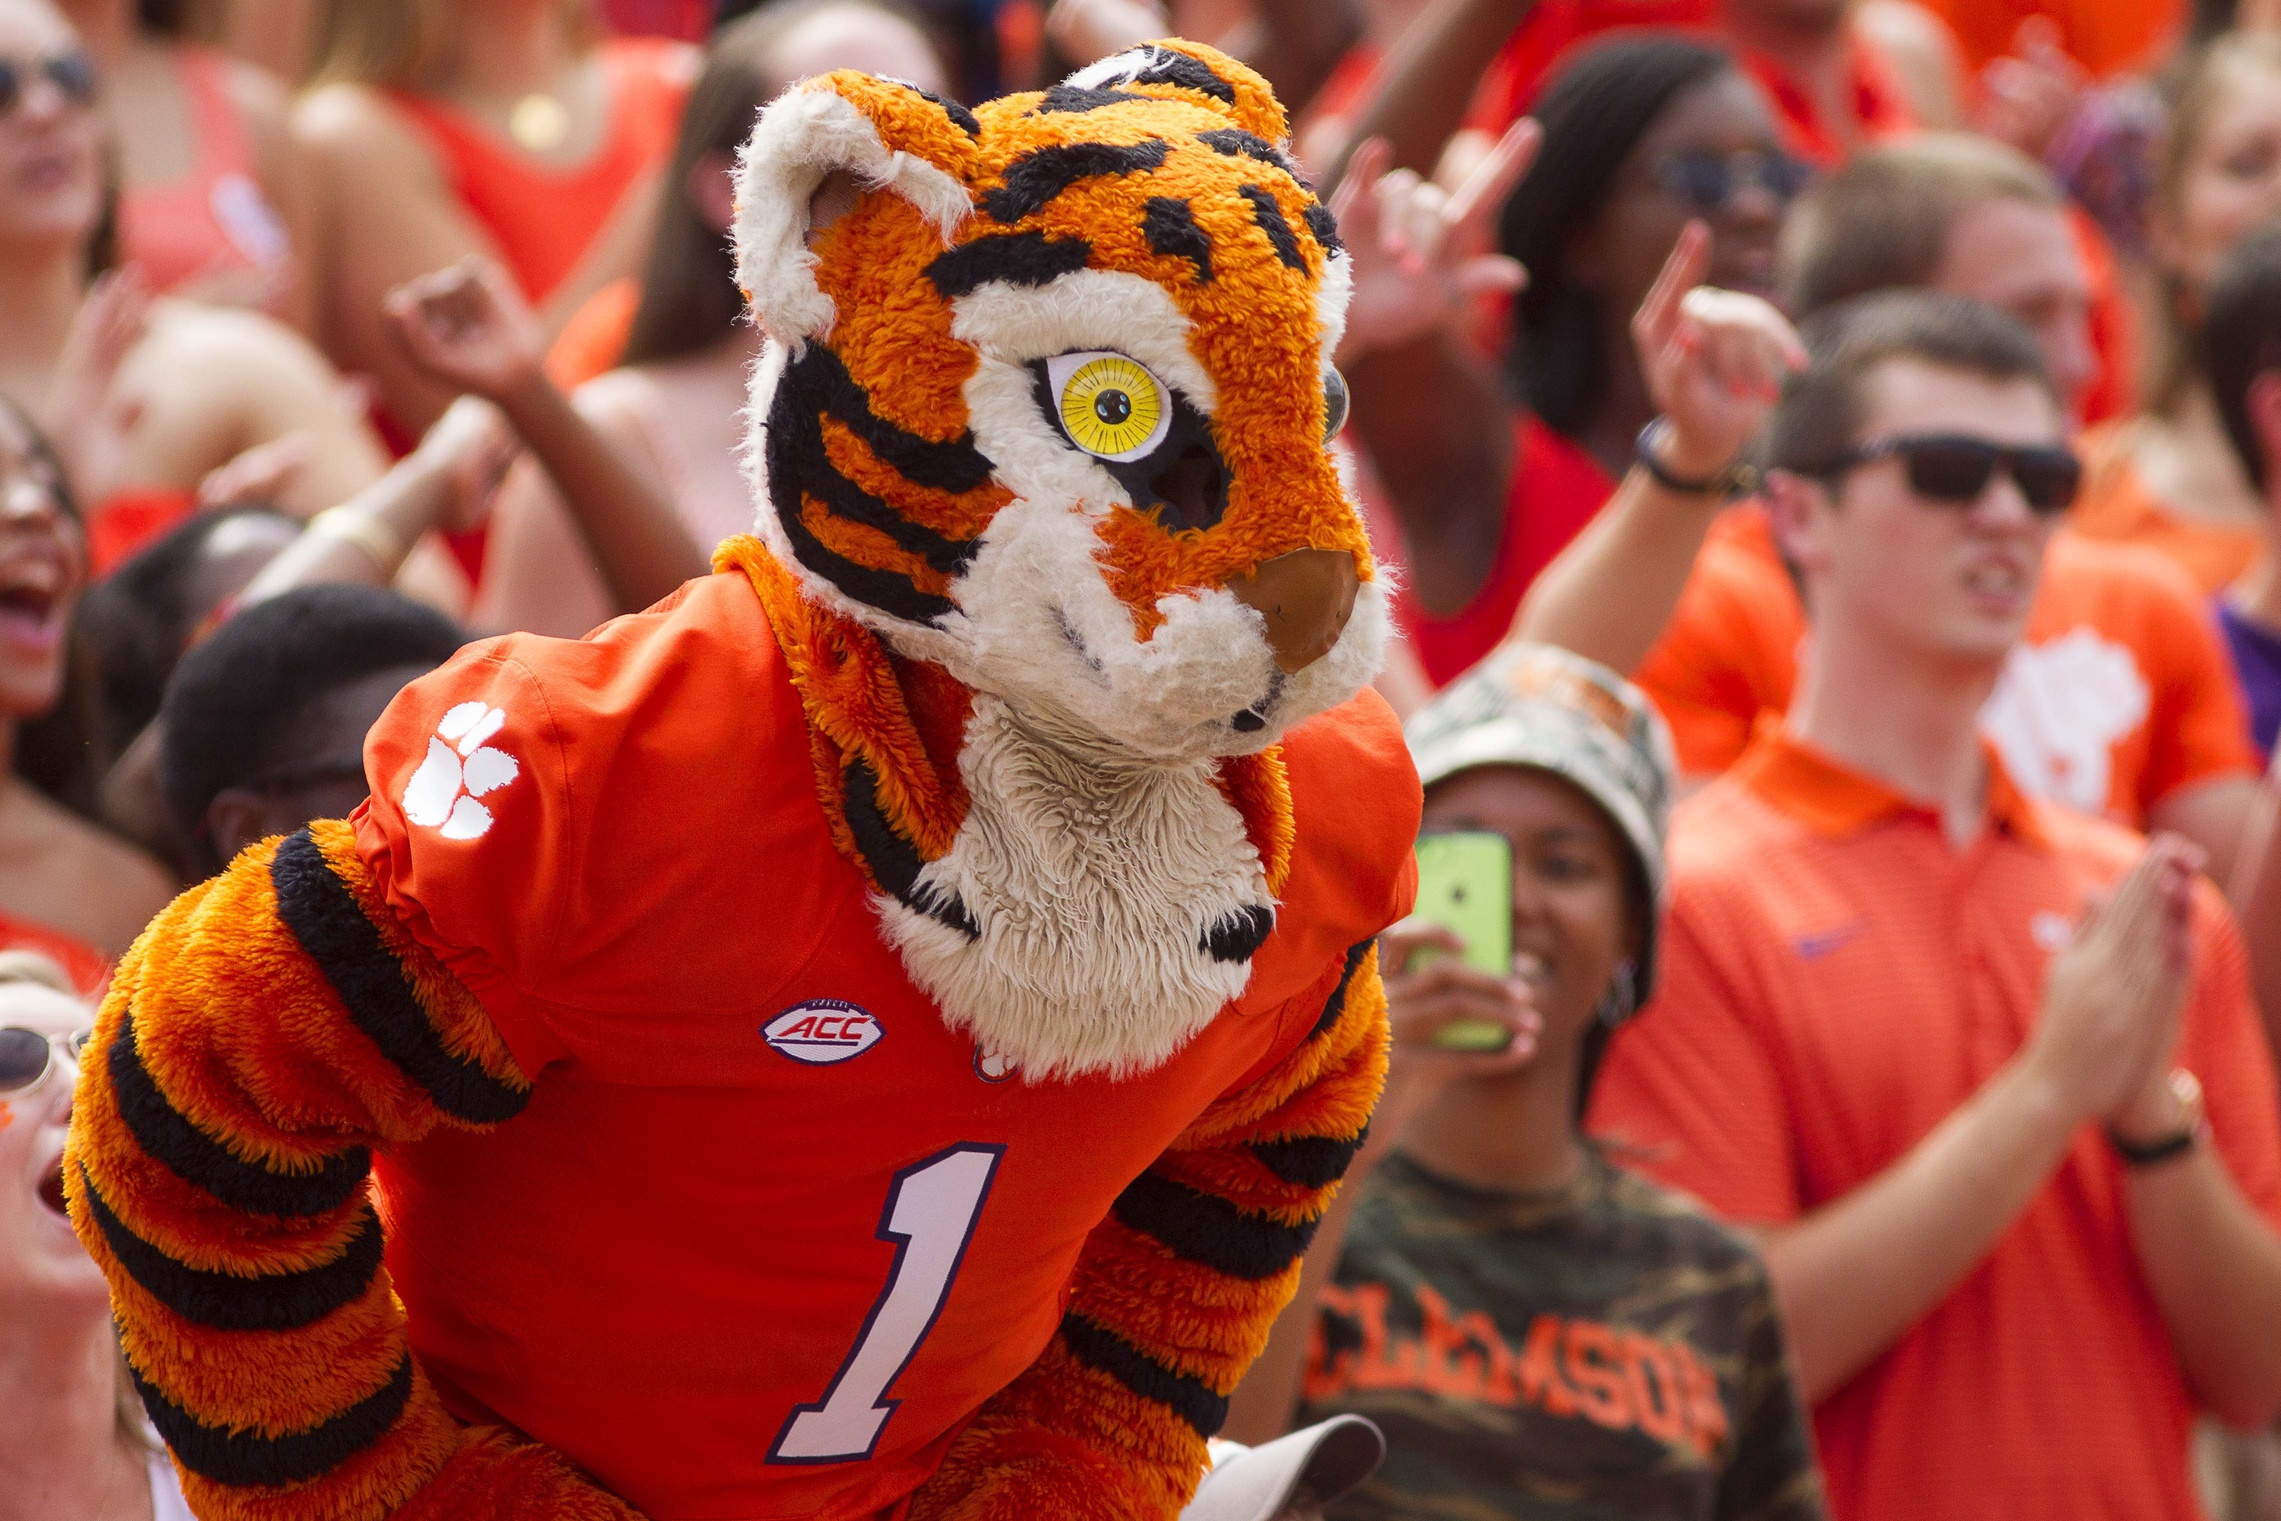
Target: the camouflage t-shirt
(1604, 1351)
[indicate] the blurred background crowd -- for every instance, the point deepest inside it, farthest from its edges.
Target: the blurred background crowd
(1831, 455)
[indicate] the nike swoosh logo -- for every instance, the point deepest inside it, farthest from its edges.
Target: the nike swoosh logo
(1815, 946)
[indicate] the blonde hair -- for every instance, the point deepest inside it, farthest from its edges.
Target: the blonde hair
(31, 966)
(400, 43)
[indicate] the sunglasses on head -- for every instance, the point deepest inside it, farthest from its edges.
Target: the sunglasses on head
(1708, 181)
(28, 1056)
(73, 73)
(1955, 468)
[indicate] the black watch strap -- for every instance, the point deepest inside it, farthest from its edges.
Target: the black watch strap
(1735, 480)
(2147, 1153)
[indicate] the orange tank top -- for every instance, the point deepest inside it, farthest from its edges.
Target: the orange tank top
(215, 220)
(544, 219)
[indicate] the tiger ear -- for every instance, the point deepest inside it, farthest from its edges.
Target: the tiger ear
(877, 133)
(1178, 69)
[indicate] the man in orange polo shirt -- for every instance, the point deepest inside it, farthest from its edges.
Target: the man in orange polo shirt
(2120, 699)
(2017, 1167)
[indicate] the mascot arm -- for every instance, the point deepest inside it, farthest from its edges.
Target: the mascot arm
(1176, 1291)
(270, 1028)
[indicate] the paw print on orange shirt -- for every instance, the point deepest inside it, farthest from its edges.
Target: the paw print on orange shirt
(460, 768)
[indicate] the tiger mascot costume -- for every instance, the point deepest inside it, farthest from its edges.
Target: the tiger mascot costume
(872, 1035)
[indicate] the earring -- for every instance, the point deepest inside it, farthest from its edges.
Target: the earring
(1621, 1001)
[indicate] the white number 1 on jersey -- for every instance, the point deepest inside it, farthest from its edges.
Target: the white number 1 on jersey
(930, 1215)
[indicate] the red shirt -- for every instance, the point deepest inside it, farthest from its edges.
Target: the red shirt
(1557, 488)
(1874, 96)
(1837, 979)
(649, 889)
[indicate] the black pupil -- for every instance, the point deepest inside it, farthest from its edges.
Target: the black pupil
(1112, 407)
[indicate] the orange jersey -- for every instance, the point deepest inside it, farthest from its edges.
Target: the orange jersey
(1837, 979)
(2119, 694)
(2116, 507)
(779, 1231)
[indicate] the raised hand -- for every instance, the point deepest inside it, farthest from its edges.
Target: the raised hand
(1713, 359)
(1423, 257)
(2026, 98)
(89, 413)
(2111, 1002)
(467, 327)
(1087, 31)
(471, 445)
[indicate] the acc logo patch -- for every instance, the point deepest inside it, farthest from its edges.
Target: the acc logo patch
(822, 1031)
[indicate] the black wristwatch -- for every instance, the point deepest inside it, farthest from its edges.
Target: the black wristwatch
(1738, 479)
(2188, 1089)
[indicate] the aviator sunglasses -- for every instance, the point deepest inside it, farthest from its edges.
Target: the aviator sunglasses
(1954, 468)
(1708, 181)
(28, 1056)
(73, 73)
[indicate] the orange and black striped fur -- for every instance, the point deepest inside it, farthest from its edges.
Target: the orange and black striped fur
(975, 611)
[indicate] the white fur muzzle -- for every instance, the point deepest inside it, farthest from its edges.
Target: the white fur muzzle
(1094, 877)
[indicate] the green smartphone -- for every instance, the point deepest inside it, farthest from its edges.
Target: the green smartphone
(1465, 884)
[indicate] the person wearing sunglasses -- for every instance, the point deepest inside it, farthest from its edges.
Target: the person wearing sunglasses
(2118, 699)
(73, 1442)
(1985, 1075)
(1489, 476)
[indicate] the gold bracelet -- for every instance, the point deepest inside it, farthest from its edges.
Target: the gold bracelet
(363, 530)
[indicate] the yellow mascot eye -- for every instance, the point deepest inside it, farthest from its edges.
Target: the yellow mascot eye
(1109, 405)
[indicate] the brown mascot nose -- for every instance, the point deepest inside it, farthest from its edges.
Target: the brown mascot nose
(1306, 597)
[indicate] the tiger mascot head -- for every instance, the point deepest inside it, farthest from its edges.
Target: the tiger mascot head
(1046, 405)
(1050, 402)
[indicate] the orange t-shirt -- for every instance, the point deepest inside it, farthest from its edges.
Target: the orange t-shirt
(542, 218)
(1879, 104)
(1837, 979)
(2105, 36)
(2117, 506)
(673, 1251)
(2120, 693)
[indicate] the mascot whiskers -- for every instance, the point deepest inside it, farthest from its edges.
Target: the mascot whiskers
(872, 1035)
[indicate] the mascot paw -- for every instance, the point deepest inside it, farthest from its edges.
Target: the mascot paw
(1033, 1473)
(499, 1477)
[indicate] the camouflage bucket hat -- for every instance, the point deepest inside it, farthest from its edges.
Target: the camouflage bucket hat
(1537, 706)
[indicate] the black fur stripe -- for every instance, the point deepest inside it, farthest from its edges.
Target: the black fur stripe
(804, 461)
(1172, 231)
(1323, 225)
(1207, 1229)
(821, 380)
(227, 1302)
(241, 1459)
(324, 917)
(1018, 258)
(1309, 1161)
(1071, 99)
(1189, 1398)
(894, 863)
(1036, 178)
(168, 1137)
(1234, 937)
(1337, 1004)
(1269, 216)
(966, 121)
(1165, 67)
(794, 439)
(1237, 143)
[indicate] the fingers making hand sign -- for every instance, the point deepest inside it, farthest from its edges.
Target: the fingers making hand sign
(1424, 256)
(1714, 360)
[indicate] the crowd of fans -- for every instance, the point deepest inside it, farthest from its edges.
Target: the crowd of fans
(1831, 450)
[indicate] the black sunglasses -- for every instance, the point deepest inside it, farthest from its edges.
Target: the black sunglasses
(27, 1056)
(1956, 468)
(73, 73)
(1708, 181)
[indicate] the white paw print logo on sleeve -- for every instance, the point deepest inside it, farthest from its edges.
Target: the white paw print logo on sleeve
(460, 768)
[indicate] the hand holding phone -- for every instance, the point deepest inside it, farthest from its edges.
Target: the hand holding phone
(1465, 886)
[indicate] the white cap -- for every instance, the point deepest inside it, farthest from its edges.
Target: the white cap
(1259, 1483)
